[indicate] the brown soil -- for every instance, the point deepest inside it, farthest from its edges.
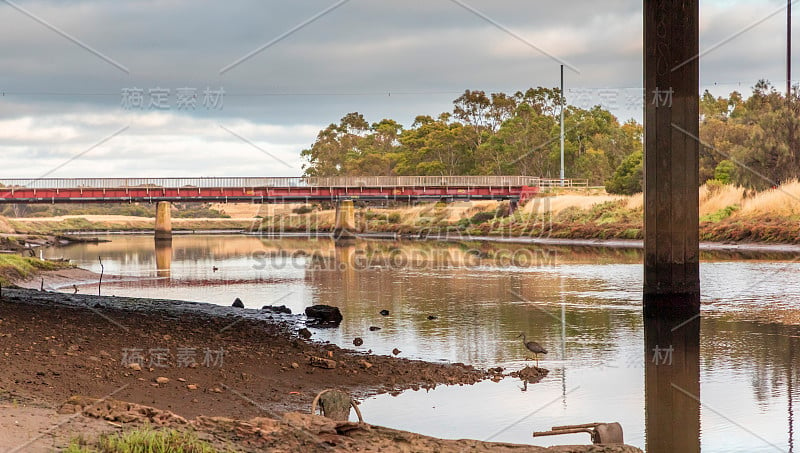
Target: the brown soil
(55, 346)
(295, 431)
(53, 351)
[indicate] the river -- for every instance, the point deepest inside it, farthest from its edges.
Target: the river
(468, 302)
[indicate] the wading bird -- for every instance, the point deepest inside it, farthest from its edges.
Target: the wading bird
(534, 347)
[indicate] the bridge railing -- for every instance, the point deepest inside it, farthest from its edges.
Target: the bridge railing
(138, 183)
(570, 183)
(250, 182)
(421, 181)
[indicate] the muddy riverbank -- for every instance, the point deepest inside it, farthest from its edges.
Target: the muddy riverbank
(193, 360)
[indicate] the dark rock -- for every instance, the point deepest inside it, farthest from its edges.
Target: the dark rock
(358, 341)
(277, 309)
(374, 328)
(431, 317)
(304, 333)
(324, 314)
(238, 303)
(531, 374)
(385, 312)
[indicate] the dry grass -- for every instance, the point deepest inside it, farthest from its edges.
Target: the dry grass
(716, 198)
(781, 202)
(5, 227)
(635, 202)
(559, 203)
(452, 212)
(239, 210)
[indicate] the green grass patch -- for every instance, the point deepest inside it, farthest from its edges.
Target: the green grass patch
(15, 267)
(720, 215)
(145, 440)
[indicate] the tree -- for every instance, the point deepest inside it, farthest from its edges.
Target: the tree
(485, 134)
(520, 147)
(329, 154)
(437, 147)
(627, 179)
(725, 171)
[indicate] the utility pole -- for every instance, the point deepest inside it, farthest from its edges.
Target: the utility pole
(789, 107)
(562, 125)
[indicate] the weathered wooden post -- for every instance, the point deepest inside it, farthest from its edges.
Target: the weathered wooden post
(671, 146)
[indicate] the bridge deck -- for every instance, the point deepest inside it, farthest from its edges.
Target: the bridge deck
(272, 190)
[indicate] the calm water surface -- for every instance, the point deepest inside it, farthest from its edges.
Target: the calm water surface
(582, 304)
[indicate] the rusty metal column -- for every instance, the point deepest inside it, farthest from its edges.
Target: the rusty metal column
(671, 128)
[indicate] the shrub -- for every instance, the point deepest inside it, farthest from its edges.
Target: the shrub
(503, 210)
(627, 179)
(481, 217)
(724, 171)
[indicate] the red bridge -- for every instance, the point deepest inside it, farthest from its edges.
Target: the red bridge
(276, 190)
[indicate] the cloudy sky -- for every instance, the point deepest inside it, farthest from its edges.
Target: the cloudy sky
(288, 68)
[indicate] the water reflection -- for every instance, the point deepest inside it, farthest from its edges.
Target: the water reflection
(582, 304)
(163, 258)
(672, 385)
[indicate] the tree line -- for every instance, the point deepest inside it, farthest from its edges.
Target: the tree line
(746, 142)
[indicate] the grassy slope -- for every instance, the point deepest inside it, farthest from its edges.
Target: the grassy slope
(14, 267)
(727, 213)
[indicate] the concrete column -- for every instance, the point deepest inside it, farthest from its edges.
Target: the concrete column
(671, 145)
(345, 226)
(163, 221)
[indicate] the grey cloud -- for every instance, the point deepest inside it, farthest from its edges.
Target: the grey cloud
(390, 58)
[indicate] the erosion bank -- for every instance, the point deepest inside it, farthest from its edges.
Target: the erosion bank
(65, 343)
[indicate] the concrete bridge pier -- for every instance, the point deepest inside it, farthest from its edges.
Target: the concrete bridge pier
(671, 148)
(345, 226)
(163, 221)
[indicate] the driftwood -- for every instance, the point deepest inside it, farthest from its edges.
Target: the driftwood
(335, 405)
(602, 433)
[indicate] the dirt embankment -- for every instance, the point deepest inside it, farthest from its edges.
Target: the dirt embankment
(193, 363)
(63, 342)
